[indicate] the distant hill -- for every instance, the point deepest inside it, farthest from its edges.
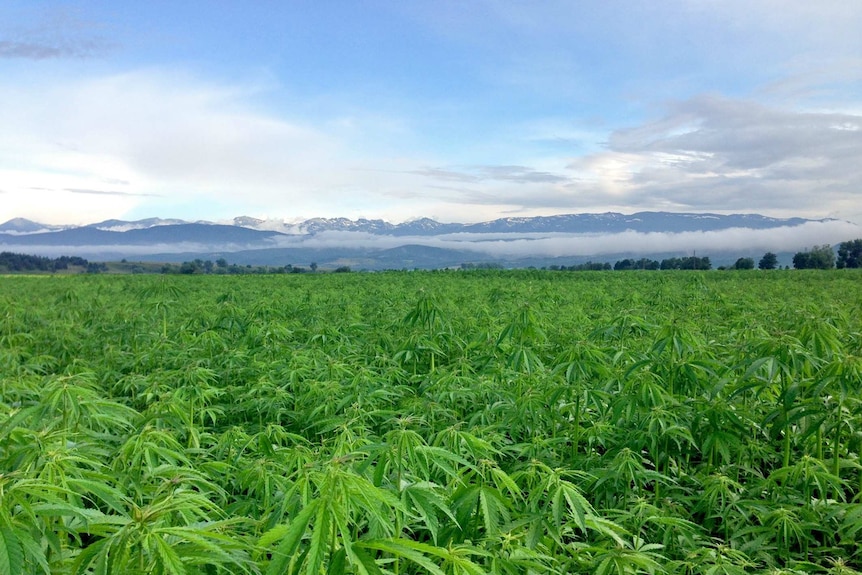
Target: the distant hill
(610, 222)
(124, 226)
(18, 226)
(183, 233)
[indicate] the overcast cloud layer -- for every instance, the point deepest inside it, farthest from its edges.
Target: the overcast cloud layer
(460, 112)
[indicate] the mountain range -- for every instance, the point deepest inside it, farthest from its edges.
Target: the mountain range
(421, 243)
(609, 222)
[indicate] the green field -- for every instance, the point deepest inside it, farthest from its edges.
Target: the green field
(494, 422)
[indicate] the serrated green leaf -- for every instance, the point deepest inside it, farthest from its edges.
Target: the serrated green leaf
(11, 554)
(285, 551)
(170, 560)
(412, 551)
(320, 540)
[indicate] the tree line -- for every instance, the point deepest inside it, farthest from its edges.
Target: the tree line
(824, 257)
(222, 267)
(26, 263)
(849, 255)
(817, 257)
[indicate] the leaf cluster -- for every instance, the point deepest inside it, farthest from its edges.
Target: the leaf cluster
(489, 422)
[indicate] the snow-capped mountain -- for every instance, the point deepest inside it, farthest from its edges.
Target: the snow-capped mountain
(124, 226)
(23, 226)
(609, 222)
(375, 244)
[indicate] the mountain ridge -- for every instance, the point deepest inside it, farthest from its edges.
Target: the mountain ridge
(426, 243)
(565, 223)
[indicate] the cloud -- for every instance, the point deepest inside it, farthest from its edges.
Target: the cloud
(786, 238)
(56, 33)
(110, 252)
(38, 51)
(712, 153)
(444, 175)
(111, 193)
(514, 246)
(116, 181)
(170, 134)
(477, 174)
(166, 133)
(53, 204)
(520, 80)
(833, 82)
(27, 50)
(520, 174)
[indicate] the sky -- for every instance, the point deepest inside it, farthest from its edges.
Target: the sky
(462, 111)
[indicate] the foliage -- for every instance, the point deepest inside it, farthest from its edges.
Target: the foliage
(850, 254)
(818, 257)
(769, 261)
(12, 262)
(641, 264)
(478, 421)
(686, 263)
(588, 266)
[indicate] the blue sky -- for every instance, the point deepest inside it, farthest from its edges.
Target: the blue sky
(460, 111)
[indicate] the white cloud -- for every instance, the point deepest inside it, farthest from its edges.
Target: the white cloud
(165, 139)
(560, 244)
(166, 133)
(718, 154)
(55, 33)
(155, 141)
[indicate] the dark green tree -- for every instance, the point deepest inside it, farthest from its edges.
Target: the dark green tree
(850, 254)
(22, 262)
(189, 268)
(744, 264)
(686, 263)
(818, 257)
(769, 261)
(641, 264)
(588, 266)
(96, 268)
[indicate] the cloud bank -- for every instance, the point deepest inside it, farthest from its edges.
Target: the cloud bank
(713, 153)
(786, 238)
(740, 241)
(171, 141)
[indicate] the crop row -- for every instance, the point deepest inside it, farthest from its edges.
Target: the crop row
(478, 422)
